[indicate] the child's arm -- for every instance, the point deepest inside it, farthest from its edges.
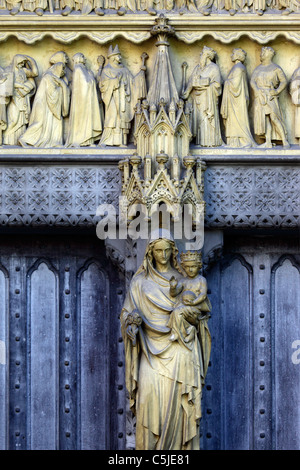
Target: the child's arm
(198, 299)
(203, 292)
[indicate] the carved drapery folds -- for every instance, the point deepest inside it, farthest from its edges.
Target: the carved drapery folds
(246, 106)
(150, 7)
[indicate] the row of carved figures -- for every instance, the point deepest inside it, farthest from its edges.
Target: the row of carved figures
(102, 7)
(73, 107)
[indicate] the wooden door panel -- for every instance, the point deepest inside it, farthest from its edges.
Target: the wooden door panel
(286, 374)
(43, 356)
(3, 357)
(251, 398)
(93, 293)
(236, 313)
(59, 330)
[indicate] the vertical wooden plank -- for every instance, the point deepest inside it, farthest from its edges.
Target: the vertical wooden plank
(212, 409)
(262, 360)
(93, 357)
(68, 354)
(43, 352)
(286, 373)
(3, 362)
(18, 357)
(237, 392)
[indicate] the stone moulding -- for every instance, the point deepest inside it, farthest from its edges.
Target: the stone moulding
(136, 28)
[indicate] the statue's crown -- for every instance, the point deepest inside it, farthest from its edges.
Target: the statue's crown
(191, 256)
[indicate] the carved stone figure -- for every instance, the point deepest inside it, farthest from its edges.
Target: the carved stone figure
(191, 291)
(50, 105)
(204, 88)
(61, 56)
(141, 5)
(6, 91)
(259, 6)
(118, 5)
(234, 6)
(235, 102)
(85, 124)
(37, 6)
(268, 81)
(295, 95)
(120, 92)
(85, 6)
(166, 5)
(194, 6)
(204, 6)
(24, 70)
(288, 6)
(164, 377)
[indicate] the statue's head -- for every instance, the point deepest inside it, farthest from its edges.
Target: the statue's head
(161, 248)
(267, 53)
(79, 58)
(59, 56)
(58, 69)
(114, 55)
(207, 53)
(191, 262)
(19, 61)
(162, 251)
(238, 54)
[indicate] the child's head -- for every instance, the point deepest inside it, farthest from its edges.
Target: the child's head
(191, 262)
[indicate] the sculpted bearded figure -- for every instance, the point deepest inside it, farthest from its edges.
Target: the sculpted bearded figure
(85, 123)
(235, 101)
(24, 70)
(268, 81)
(164, 375)
(50, 105)
(120, 92)
(204, 88)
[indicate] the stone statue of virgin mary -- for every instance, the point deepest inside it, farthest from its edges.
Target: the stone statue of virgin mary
(163, 377)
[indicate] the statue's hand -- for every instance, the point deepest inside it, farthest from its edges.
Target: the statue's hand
(130, 333)
(173, 282)
(191, 316)
(188, 302)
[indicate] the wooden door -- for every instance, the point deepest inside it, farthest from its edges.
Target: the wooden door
(251, 398)
(61, 373)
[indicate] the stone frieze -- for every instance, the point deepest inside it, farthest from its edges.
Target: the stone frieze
(237, 195)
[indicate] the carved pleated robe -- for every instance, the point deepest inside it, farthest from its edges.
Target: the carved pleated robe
(164, 378)
(206, 120)
(50, 105)
(234, 108)
(85, 123)
(120, 92)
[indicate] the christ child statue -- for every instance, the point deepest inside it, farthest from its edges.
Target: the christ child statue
(192, 304)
